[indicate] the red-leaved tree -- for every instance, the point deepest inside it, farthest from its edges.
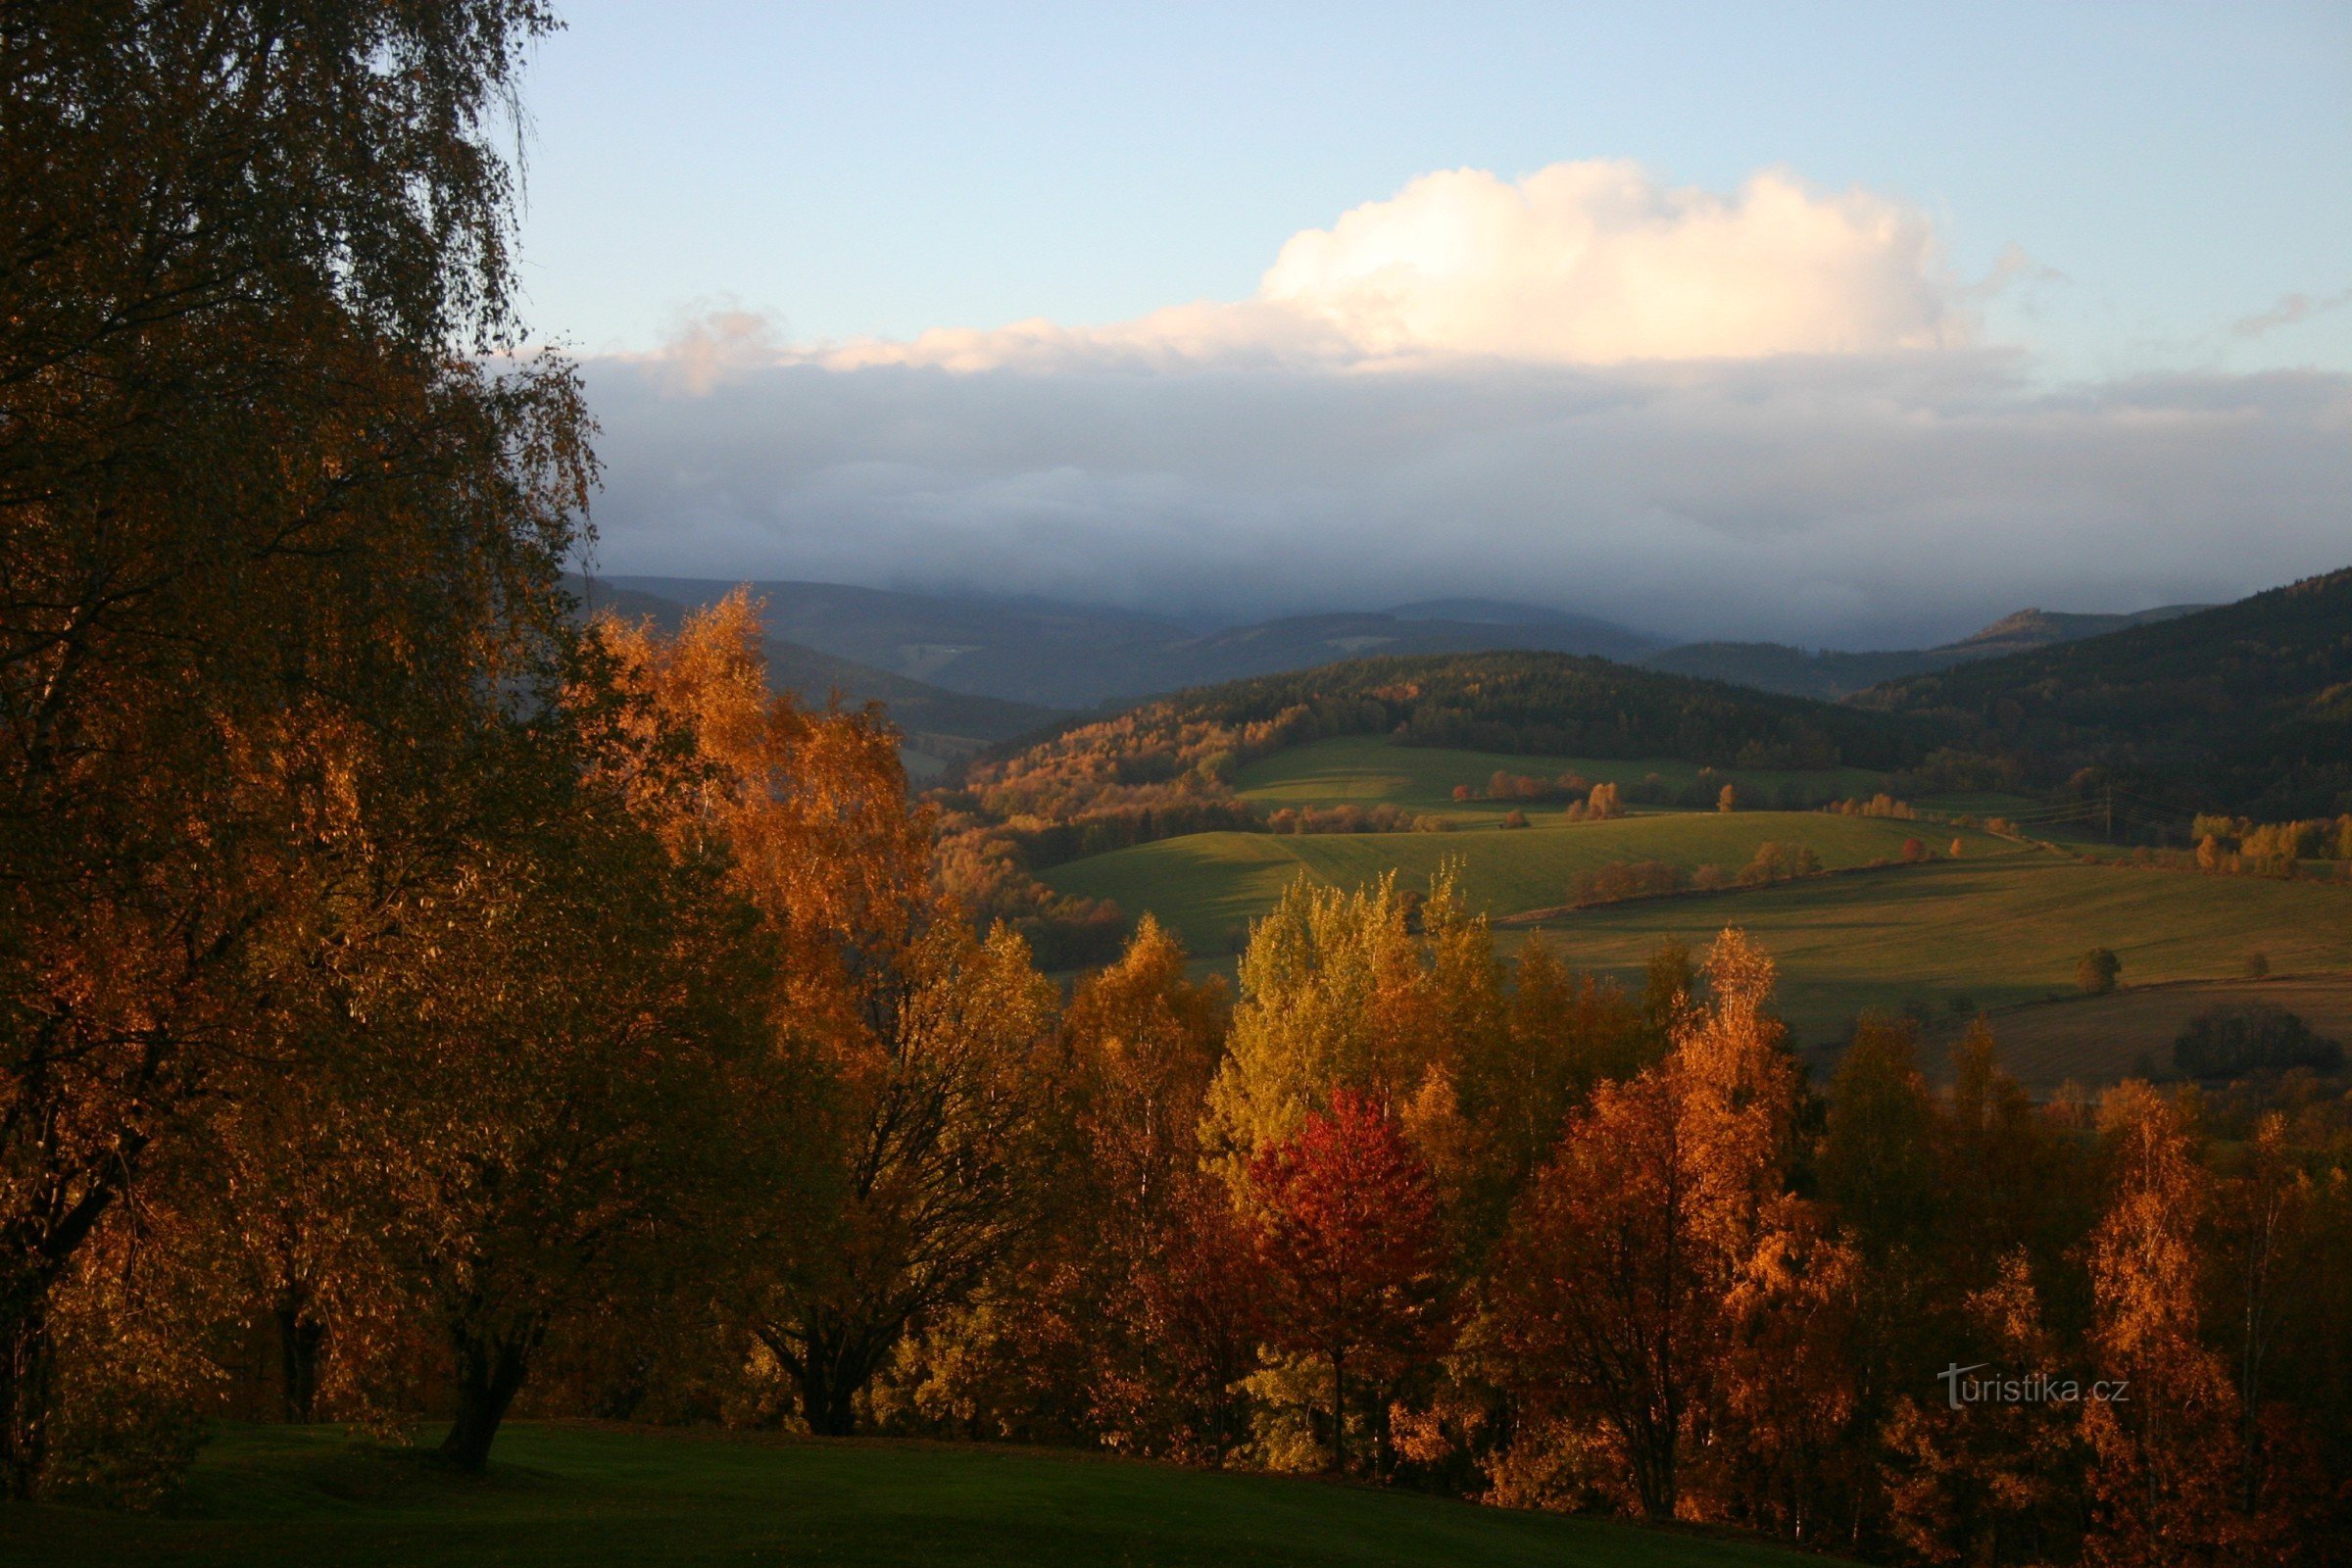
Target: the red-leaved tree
(1349, 1234)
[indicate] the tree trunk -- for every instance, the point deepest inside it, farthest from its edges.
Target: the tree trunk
(299, 1337)
(830, 1377)
(23, 1397)
(490, 1370)
(1339, 1417)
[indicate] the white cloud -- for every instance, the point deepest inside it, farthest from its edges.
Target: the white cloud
(1590, 263)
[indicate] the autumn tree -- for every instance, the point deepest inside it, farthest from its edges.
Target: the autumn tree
(1611, 1302)
(1108, 1325)
(1205, 1310)
(280, 552)
(1365, 990)
(1349, 1235)
(2164, 1460)
(916, 1044)
(929, 1181)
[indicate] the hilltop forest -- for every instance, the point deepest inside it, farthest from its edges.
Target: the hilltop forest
(423, 1002)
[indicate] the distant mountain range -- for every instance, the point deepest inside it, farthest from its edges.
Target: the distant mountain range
(1831, 675)
(1078, 657)
(1041, 654)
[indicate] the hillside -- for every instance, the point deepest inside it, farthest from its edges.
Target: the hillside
(1516, 703)
(1829, 674)
(580, 1496)
(2245, 707)
(1074, 656)
(1168, 767)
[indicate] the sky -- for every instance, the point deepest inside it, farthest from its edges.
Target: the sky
(1839, 324)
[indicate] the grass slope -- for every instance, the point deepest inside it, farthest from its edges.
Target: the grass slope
(587, 1496)
(1371, 770)
(1206, 887)
(1996, 932)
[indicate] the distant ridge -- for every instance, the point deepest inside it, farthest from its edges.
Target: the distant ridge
(1829, 675)
(1080, 657)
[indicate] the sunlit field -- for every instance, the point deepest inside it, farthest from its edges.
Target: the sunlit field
(1990, 934)
(1208, 886)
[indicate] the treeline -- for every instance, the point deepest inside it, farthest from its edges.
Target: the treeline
(1773, 863)
(1348, 817)
(2268, 849)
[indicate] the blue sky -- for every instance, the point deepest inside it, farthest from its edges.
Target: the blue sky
(1848, 325)
(881, 169)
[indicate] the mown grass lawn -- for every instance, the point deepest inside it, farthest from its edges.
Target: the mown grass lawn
(583, 1495)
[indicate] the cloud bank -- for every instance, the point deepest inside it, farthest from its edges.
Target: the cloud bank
(1756, 415)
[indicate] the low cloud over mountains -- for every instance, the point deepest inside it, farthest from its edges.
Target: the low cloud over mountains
(1760, 415)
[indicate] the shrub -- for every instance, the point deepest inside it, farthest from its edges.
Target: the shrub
(2258, 965)
(2096, 974)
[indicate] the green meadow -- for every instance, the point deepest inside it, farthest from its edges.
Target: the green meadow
(581, 1496)
(1207, 887)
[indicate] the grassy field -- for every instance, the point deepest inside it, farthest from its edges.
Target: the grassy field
(1995, 933)
(2001, 928)
(1370, 770)
(581, 1496)
(1206, 887)
(2091, 1039)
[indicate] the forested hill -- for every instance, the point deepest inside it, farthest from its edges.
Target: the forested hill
(1513, 701)
(2245, 707)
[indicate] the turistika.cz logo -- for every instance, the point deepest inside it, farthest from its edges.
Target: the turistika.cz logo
(1961, 1390)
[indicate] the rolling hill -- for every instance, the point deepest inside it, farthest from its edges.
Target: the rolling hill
(2245, 707)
